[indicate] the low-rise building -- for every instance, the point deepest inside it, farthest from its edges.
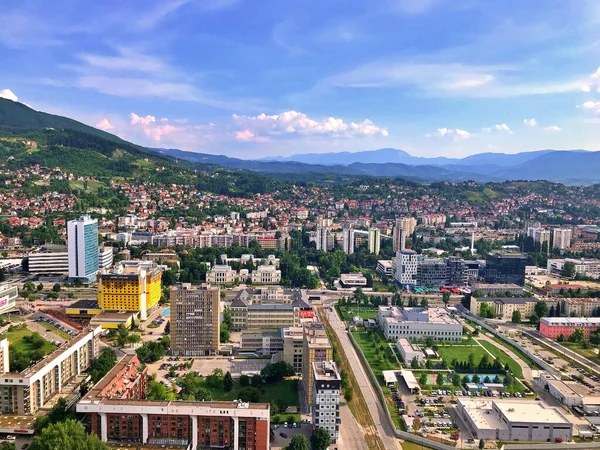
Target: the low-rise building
(514, 420)
(385, 267)
(221, 274)
(487, 289)
(580, 307)
(327, 388)
(504, 307)
(586, 267)
(353, 280)
(49, 261)
(552, 290)
(417, 324)
(409, 351)
(8, 297)
(262, 342)
(554, 327)
(266, 274)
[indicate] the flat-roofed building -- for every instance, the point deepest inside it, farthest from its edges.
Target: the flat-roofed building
(504, 307)
(26, 392)
(316, 348)
(187, 424)
(409, 351)
(554, 327)
(82, 237)
(580, 307)
(293, 344)
(266, 274)
(8, 297)
(327, 388)
(417, 324)
(50, 260)
(105, 257)
(491, 289)
(506, 268)
(83, 309)
(112, 320)
(263, 342)
(385, 267)
(353, 280)
(514, 420)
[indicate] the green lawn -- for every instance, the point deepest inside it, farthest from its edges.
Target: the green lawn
(92, 185)
(15, 339)
(286, 391)
(515, 368)
(461, 353)
(55, 330)
(588, 353)
(412, 446)
(378, 359)
(365, 312)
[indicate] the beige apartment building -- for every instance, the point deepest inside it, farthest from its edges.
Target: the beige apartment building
(293, 347)
(316, 348)
(195, 320)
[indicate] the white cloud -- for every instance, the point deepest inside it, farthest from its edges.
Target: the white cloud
(151, 128)
(455, 133)
(294, 122)
(104, 124)
(530, 122)
(594, 106)
(127, 59)
(249, 136)
(499, 127)
(552, 128)
(9, 95)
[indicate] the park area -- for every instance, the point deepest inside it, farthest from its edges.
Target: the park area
(377, 351)
(349, 312)
(26, 347)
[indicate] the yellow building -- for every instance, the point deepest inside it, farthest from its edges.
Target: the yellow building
(130, 286)
(503, 308)
(316, 348)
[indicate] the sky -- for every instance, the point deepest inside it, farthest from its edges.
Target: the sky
(259, 78)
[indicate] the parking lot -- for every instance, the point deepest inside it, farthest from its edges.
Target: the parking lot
(282, 435)
(206, 366)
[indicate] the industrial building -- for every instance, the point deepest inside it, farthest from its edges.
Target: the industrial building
(195, 320)
(327, 389)
(514, 420)
(417, 324)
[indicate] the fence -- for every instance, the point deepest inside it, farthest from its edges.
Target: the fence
(381, 397)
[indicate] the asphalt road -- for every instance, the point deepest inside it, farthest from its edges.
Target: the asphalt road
(377, 410)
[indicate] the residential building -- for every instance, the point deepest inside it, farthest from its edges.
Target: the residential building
(540, 236)
(195, 320)
(255, 308)
(402, 227)
(506, 268)
(127, 380)
(130, 286)
(221, 274)
(353, 280)
(26, 392)
(417, 324)
(487, 289)
(266, 274)
(561, 238)
(321, 238)
(552, 290)
(409, 351)
(49, 261)
(580, 307)
(385, 267)
(293, 338)
(262, 342)
(8, 297)
(503, 308)
(187, 424)
(327, 389)
(348, 240)
(514, 420)
(554, 327)
(316, 348)
(82, 238)
(406, 264)
(434, 219)
(105, 257)
(374, 240)
(586, 267)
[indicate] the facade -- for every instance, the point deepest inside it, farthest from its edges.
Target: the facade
(432, 272)
(353, 280)
(540, 236)
(321, 239)
(348, 238)
(327, 389)
(262, 342)
(514, 420)
(26, 392)
(293, 338)
(403, 227)
(503, 308)
(195, 320)
(406, 266)
(272, 307)
(417, 324)
(266, 274)
(487, 289)
(49, 263)
(82, 238)
(409, 351)
(385, 267)
(195, 425)
(457, 274)
(8, 297)
(221, 274)
(105, 257)
(580, 307)
(506, 268)
(130, 286)
(374, 240)
(316, 348)
(561, 238)
(553, 327)
(552, 290)
(587, 267)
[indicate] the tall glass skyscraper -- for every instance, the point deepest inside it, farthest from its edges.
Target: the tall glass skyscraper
(82, 237)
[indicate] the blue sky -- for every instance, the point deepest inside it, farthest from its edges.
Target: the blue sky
(254, 78)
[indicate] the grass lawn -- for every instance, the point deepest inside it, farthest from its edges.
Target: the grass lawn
(281, 418)
(50, 327)
(286, 391)
(461, 353)
(371, 344)
(365, 312)
(15, 339)
(588, 353)
(92, 185)
(412, 446)
(515, 368)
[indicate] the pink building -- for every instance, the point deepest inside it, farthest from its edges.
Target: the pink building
(553, 327)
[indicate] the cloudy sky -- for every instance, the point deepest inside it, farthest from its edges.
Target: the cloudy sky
(253, 78)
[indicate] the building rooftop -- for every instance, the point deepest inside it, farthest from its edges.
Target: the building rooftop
(571, 321)
(486, 412)
(175, 403)
(326, 371)
(396, 314)
(126, 368)
(270, 307)
(84, 304)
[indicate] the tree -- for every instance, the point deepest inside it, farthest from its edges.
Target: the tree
(349, 394)
(440, 379)
(168, 327)
(414, 364)
(423, 379)
(446, 298)
(273, 373)
(40, 287)
(429, 341)
(68, 435)
(103, 363)
(28, 286)
(244, 380)
(541, 309)
(298, 442)
(134, 338)
(320, 439)
(569, 270)
(249, 394)
(534, 319)
(228, 382)
(424, 303)
(122, 335)
(256, 380)
(59, 413)
(215, 379)
(577, 336)
(516, 316)
(456, 380)
(56, 288)
(158, 391)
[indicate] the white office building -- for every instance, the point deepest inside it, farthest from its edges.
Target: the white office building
(374, 240)
(348, 238)
(405, 266)
(105, 257)
(49, 263)
(409, 351)
(8, 297)
(321, 239)
(221, 274)
(561, 238)
(417, 324)
(326, 398)
(82, 238)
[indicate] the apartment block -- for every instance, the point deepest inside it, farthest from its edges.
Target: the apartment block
(316, 348)
(327, 389)
(195, 320)
(293, 346)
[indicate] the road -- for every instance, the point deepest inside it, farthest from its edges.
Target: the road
(351, 436)
(377, 411)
